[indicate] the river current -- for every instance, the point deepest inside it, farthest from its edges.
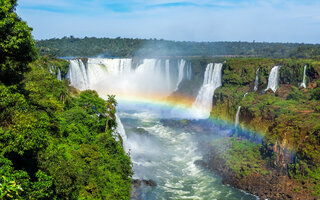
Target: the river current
(167, 155)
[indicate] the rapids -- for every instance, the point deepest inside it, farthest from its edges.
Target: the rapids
(167, 156)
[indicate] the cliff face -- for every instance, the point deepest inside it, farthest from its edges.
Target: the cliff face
(288, 119)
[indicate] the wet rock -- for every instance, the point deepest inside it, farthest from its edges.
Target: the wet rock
(138, 183)
(141, 131)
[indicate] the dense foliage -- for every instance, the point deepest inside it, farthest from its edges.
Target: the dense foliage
(17, 47)
(55, 142)
(289, 118)
(126, 47)
(59, 144)
(241, 156)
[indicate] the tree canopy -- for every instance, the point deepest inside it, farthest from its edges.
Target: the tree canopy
(129, 47)
(17, 47)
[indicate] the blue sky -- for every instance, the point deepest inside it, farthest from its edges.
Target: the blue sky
(193, 20)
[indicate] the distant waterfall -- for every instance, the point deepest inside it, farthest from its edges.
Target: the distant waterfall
(168, 81)
(120, 130)
(256, 81)
(181, 70)
(189, 72)
(245, 94)
(184, 72)
(212, 80)
(59, 75)
(273, 81)
(303, 84)
(153, 78)
(236, 123)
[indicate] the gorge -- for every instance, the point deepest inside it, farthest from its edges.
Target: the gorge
(168, 154)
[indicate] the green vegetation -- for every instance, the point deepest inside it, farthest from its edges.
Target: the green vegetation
(242, 156)
(16, 44)
(55, 142)
(59, 144)
(289, 118)
(126, 47)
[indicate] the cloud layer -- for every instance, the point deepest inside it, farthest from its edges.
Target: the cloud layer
(194, 20)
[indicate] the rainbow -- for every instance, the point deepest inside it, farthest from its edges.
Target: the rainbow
(182, 106)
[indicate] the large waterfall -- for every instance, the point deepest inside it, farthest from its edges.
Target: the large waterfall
(152, 78)
(273, 81)
(256, 81)
(212, 80)
(303, 84)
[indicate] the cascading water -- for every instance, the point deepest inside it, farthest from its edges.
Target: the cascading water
(189, 72)
(59, 75)
(236, 123)
(256, 81)
(185, 72)
(78, 75)
(303, 84)
(120, 130)
(117, 76)
(212, 80)
(181, 72)
(273, 81)
(168, 81)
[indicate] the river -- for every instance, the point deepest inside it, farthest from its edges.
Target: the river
(167, 155)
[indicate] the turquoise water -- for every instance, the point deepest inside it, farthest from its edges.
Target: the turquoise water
(166, 155)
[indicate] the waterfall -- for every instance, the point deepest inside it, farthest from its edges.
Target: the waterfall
(181, 72)
(78, 75)
(212, 80)
(273, 81)
(256, 81)
(120, 130)
(153, 78)
(189, 72)
(245, 94)
(236, 124)
(59, 75)
(100, 69)
(184, 72)
(168, 81)
(303, 84)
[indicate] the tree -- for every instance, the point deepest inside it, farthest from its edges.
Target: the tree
(17, 47)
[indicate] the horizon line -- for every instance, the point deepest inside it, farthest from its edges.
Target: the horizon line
(168, 40)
